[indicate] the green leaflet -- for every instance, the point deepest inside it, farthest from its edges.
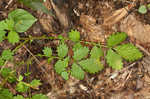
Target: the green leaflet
(77, 72)
(116, 39)
(5, 94)
(18, 20)
(7, 54)
(148, 6)
(129, 52)
(9, 74)
(65, 75)
(10, 24)
(74, 35)
(60, 65)
(62, 50)
(2, 35)
(21, 87)
(47, 51)
(39, 96)
(35, 83)
(18, 97)
(77, 46)
(91, 65)
(114, 60)
(96, 52)
(142, 9)
(13, 37)
(3, 25)
(1, 62)
(20, 78)
(80, 53)
(23, 19)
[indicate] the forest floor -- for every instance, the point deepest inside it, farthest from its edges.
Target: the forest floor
(95, 20)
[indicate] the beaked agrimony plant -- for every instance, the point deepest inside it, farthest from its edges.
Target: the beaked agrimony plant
(83, 58)
(88, 60)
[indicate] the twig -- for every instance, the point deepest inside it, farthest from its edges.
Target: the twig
(143, 49)
(37, 61)
(8, 4)
(124, 69)
(32, 54)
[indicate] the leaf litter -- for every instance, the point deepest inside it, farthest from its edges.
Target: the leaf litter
(131, 82)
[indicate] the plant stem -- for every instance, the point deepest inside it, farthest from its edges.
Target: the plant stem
(39, 38)
(19, 46)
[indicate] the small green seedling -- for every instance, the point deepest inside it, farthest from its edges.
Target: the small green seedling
(144, 8)
(6, 94)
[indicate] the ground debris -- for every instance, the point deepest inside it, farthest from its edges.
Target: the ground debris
(93, 31)
(136, 29)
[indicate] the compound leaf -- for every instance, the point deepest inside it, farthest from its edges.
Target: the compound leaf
(114, 60)
(77, 72)
(96, 52)
(129, 52)
(74, 35)
(23, 19)
(13, 37)
(115, 39)
(62, 50)
(80, 53)
(91, 65)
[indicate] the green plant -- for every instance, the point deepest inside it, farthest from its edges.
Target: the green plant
(6, 56)
(115, 53)
(6, 94)
(88, 60)
(144, 8)
(23, 86)
(18, 21)
(73, 59)
(9, 75)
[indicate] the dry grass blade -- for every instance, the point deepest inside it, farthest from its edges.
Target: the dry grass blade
(117, 15)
